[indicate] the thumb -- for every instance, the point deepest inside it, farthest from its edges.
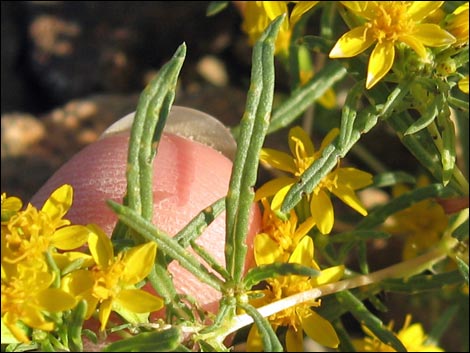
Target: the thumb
(188, 177)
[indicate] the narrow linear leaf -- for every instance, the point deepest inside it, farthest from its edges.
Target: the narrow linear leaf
(311, 177)
(391, 178)
(153, 105)
(373, 323)
(260, 273)
(359, 235)
(215, 7)
(380, 214)
(165, 243)
(349, 113)
(463, 268)
(442, 324)
(268, 336)
(427, 118)
(420, 283)
(75, 326)
(157, 341)
(305, 96)
(448, 153)
(254, 125)
(461, 232)
(199, 223)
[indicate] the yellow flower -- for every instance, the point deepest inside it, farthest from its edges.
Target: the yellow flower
(257, 15)
(412, 337)
(30, 233)
(342, 182)
(387, 24)
(301, 318)
(10, 206)
(110, 284)
(463, 84)
(422, 224)
(278, 238)
(457, 24)
(26, 296)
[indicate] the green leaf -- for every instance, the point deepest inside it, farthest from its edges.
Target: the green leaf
(427, 118)
(157, 341)
(268, 336)
(448, 153)
(74, 327)
(420, 283)
(303, 97)
(215, 7)
(359, 235)
(440, 327)
(380, 214)
(166, 243)
(260, 273)
(253, 127)
(461, 232)
(152, 110)
(365, 317)
(463, 268)
(391, 178)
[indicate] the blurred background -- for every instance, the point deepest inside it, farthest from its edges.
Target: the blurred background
(70, 69)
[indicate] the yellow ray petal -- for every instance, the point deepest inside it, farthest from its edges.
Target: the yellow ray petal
(70, 237)
(349, 198)
(294, 340)
(139, 301)
(57, 205)
(272, 187)
(353, 178)
(319, 329)
(300, 143)
(303, 252)
(352, 43)
(100, 246)
(139, 262)
(55, 300)
(432, 35)
(380, 62)
(266, 249)
(278, 159)
(104, 312)
(300, 9)
(328, 275)
(322, 212)
(419, 10)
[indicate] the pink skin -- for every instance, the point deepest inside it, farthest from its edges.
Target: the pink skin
(188, 177)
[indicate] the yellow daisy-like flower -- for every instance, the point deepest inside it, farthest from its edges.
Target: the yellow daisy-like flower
(342, 182)
(388, 23)
(421, 224)
(301, 318)
(110, 284)
(457, 24)
(412, 336)
(28, 234)
(26, 296)
(278, 237)
(257, 15)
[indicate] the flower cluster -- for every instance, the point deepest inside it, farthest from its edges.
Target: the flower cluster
(47, 272)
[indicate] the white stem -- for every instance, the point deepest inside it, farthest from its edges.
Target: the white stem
(402, 269)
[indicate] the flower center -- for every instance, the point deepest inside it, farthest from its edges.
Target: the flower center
(302, 160)
(107, 280)
(391, 20)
